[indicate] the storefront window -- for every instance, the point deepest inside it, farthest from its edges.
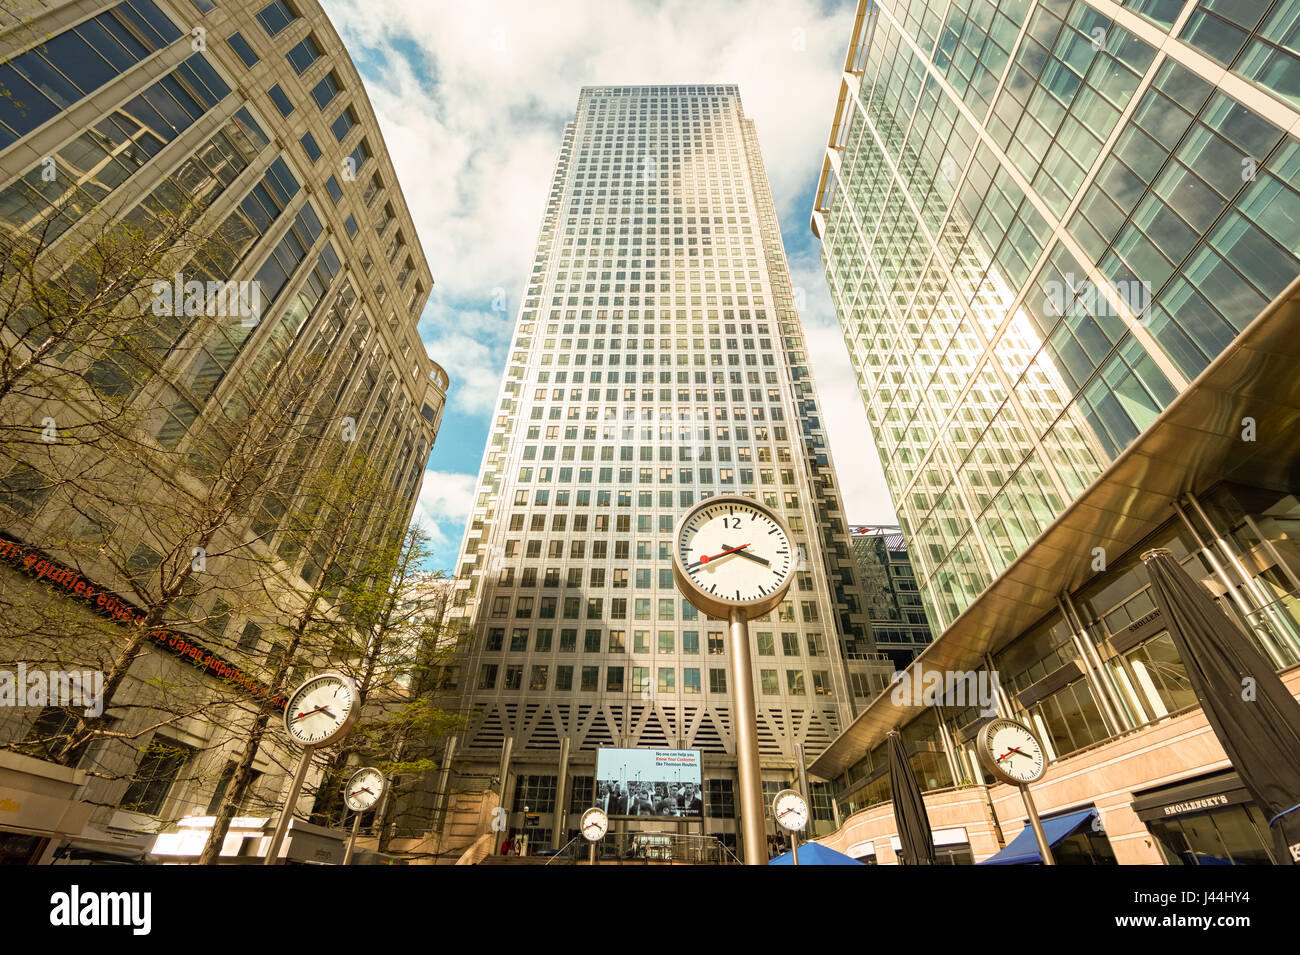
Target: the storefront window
(1232, 836)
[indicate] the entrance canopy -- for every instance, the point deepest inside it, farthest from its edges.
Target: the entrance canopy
(1023, 849)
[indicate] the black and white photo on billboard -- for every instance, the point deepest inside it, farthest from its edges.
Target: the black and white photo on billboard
(650, 782)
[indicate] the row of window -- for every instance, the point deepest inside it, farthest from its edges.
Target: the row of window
(540, 679)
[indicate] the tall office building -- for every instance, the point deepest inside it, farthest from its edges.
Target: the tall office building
(658, 359)
(247, 123)
(1063, 240)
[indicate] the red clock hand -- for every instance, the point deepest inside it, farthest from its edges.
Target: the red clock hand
(730, 550)
(309, 712)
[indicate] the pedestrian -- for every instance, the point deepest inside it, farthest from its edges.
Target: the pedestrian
(505, 845)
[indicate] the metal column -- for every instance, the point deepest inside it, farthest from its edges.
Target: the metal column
(753, 826)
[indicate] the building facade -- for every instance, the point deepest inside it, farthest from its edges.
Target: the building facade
(1063, 240)
(658, 360)
(894, 608)
(248, 122)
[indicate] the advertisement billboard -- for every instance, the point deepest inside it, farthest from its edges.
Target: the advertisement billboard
(650, 782)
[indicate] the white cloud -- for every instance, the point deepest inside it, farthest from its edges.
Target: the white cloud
(441, 509)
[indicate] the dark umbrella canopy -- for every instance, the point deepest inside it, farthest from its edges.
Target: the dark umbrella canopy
(1255, 718)
(909, 809)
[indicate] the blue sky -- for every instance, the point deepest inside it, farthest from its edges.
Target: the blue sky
(472, 100)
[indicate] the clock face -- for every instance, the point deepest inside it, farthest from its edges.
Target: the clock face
(321, 710)
(594, 824)
(1013, 752)
(790, 810)
(364, 789)
(733, 552)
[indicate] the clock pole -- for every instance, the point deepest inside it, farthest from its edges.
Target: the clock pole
(352, 839)
(752, 825)
(282, 826)
(1044, 849)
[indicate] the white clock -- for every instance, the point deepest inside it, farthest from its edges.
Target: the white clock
(594, 824)
(733, 553)
(1011, 752)
(321, 710)
(364, 789)
(790, 810)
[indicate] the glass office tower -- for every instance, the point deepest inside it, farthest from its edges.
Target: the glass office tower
(1063, 239)
(658, 359)
(1041, 221)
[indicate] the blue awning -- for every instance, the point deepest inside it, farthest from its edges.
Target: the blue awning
(1023, 849)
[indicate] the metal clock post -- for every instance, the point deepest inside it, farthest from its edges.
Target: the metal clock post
(790, 812)
(362, 792)
(593, 825)
(1012, 752)
(734, 559)
(320, 712)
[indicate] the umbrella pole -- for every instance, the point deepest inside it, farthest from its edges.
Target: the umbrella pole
(1044, 849)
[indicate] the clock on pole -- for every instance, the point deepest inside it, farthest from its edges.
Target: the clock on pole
(319, 713)
(361, 793)
(734, 559)
(790, 811)
(1012, 753)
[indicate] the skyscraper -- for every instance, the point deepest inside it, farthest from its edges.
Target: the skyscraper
(1063, 240)
(658, 359)
(222, 145)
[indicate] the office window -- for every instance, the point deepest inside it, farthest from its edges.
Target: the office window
(242, 49)
(153, 779)
(514, 677)
(721, 798)
(564, 678)
(334, 189)
(771, 686)
(614, 679)
(640, 679)
(794, 682)
(667, 679)
(303, 55)
(666, 641)
(350, 224)
(309, 146)
(343, 124)
(690, 641)
(325, 91)
(280, 100)
(590, 679)
(717, 680)
(275, 17)
(538, 679)
(690, 680)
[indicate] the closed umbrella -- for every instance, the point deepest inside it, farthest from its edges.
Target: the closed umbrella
(1250, 710)
(909, 809)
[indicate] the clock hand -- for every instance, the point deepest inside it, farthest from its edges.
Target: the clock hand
(309, 712)
(705, 559)
(750, 556)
